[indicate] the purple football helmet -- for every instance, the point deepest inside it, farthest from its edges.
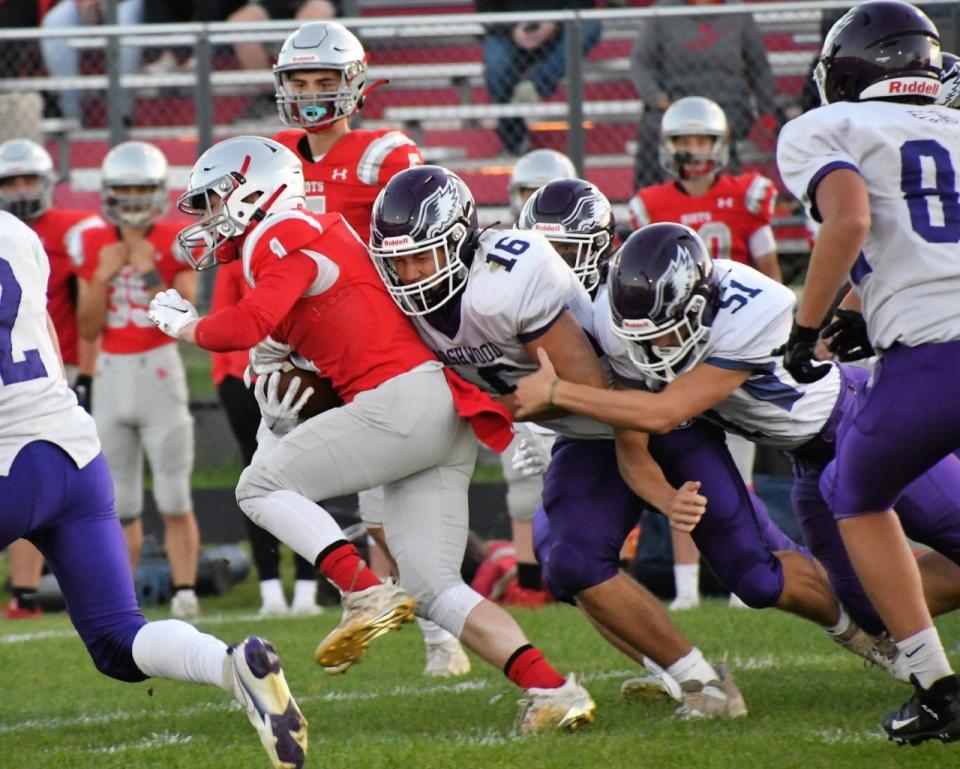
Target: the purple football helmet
(576, 218)
(882, 49)
(662, 282)
(950, 95)
(423, 210)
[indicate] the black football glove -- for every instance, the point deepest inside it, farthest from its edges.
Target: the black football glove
(798, 356)
(83, 389)
(849, 336)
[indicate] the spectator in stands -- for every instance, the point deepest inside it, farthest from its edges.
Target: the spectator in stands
(722, 56)
(62, 59)
(19, 112)
(254, 56)
(524, 62)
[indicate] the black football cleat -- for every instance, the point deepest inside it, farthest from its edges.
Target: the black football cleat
(930, 714)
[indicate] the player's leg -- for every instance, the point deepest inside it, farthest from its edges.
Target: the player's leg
(166, 428)
(881, 448)
(26, 567)
(81, 539)
(523, 498)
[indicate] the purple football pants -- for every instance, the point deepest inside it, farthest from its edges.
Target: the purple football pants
(69, 515)
(589, 510)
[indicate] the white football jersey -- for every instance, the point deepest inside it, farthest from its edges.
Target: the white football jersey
(908, 275)
(770, 408)
(517, 288)
(35, 402)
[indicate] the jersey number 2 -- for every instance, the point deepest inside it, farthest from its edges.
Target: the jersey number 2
(31, 367)
(922, 200)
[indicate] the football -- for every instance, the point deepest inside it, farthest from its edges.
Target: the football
(324, 397)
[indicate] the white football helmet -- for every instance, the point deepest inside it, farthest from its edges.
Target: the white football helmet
(22, 157)
(233, 186)
(320, 45)
(134, 164)
(694, 116)
(534, 170)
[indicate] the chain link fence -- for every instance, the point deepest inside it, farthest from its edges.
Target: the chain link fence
(474, 91)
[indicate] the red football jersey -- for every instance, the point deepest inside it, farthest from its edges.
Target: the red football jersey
(229, 288)
(59, 231)
(128, 330)
(348, 178)
(732, 211)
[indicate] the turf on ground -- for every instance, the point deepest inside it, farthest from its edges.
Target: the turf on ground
(811, 704)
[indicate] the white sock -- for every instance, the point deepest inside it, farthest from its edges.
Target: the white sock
(693, 667)
(686, 577)
(271, 592)
(925, 657)
(433, 634)
(302, 525)
(841, 625)
(173, 649)
(305, 592)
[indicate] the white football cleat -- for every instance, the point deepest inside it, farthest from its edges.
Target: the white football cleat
(880, 650)
(712, 699)
(367, 614)
(273, 609)
(567, 707)
(683, 602)
(306, 609)
(447, 659)
(184, 605)
(734, 602)
(259, 686)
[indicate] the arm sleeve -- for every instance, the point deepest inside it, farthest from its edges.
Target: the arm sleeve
(243, 325)
(807, 151)
(403, 157)
(643, 62)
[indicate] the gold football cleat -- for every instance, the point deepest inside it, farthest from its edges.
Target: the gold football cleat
(567, 707)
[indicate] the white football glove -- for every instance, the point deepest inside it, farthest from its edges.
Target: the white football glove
(266, 357)
(280, 415)
(171, 312)
(532, 454)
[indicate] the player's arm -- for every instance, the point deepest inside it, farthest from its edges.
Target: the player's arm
(567, 345)
(279, 285)
(185, 282)
(93, 291)
(769, 265)
(686, 397)
(844, 207)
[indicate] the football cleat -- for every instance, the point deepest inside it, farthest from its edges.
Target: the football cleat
(567, 707)
(880, 650)
(685, 602)
(273, 609)
(367, 614)
(14, 610)
(930, 714)
(447, 659)
(712, 699)
(259, 686)
(184, 605)
(651, 688)
(305, 609)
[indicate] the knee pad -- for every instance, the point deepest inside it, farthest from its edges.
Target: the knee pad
(452, 606)
(572, 570)
(112, 653)
(759, 586)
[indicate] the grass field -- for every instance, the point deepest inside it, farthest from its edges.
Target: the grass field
(811, 704)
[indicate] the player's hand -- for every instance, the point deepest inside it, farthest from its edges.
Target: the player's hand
(847, 336)
(280, 415)
(171, 312)
(142, 255)
(269, 356)
(687, 507)
(83, 389)
(534, 392)
(532, 454)
(111, 260)
(798, 355)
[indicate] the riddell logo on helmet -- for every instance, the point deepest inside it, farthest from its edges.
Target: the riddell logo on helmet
(638, 324)
(547, 227)
(396, 241)
(923, 87)
(304, 57)
(903, 86)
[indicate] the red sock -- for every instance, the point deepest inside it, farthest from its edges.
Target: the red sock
(528, 669)
(344, 567)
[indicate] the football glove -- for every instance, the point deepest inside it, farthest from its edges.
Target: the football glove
(266, 357)
(171, 312)
(848, 336)
(280, 415)
(532, 454)
(83, 389)
(798, 357)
